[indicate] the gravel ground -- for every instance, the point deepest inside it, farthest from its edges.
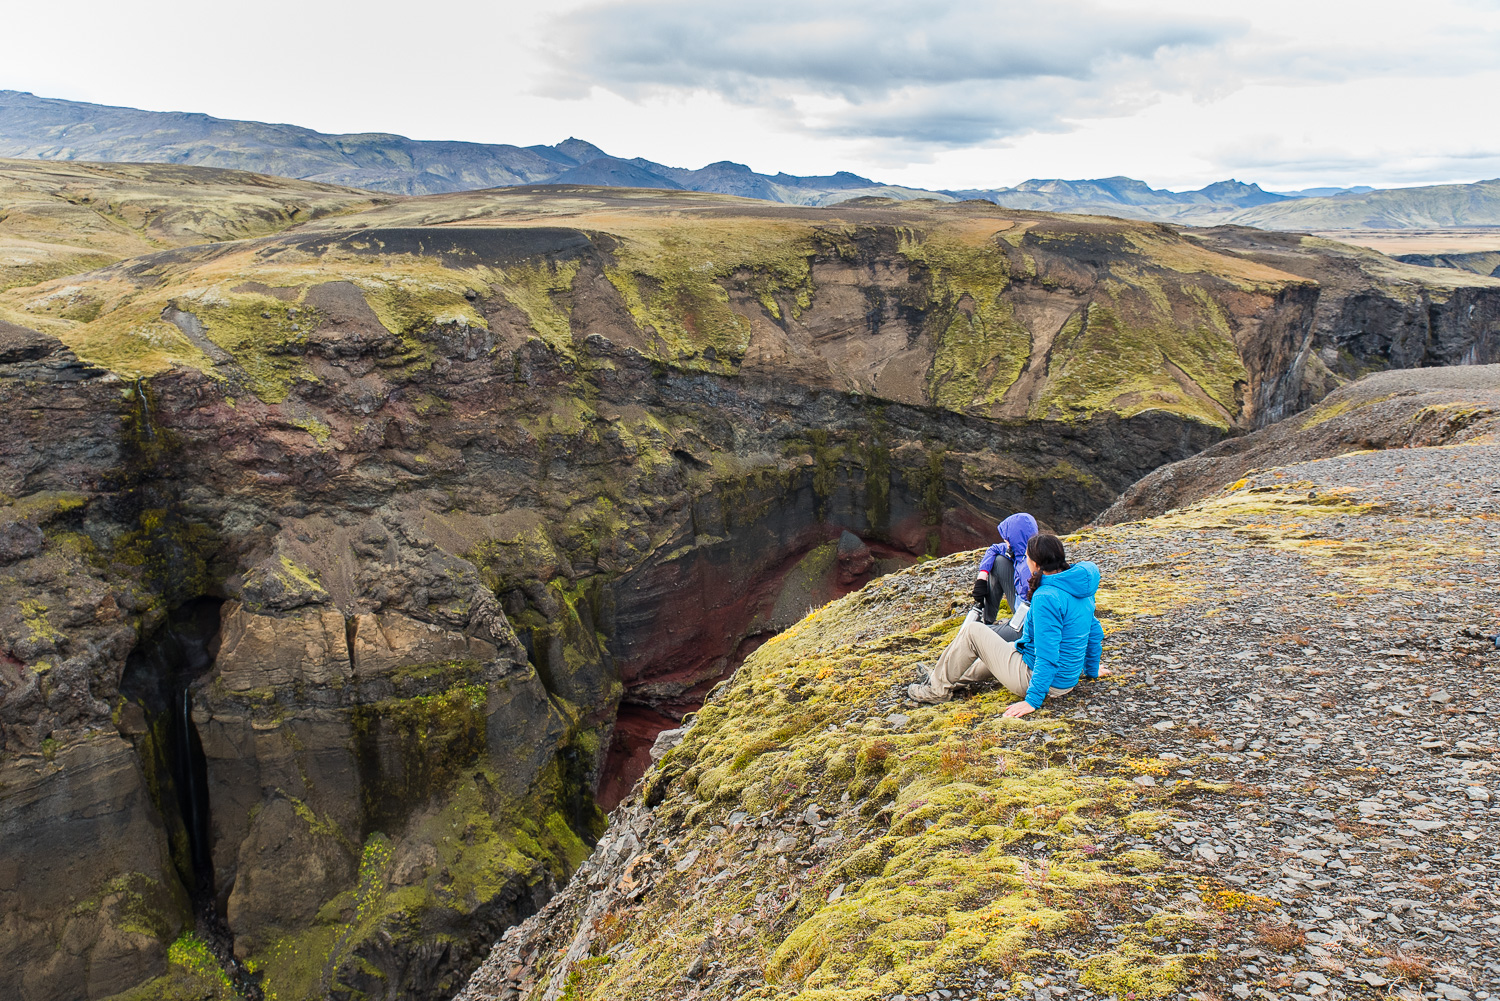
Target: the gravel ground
(1351, 705)
(1401, 410)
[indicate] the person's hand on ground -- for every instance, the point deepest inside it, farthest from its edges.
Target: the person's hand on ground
(1018, 710)
(981, 589)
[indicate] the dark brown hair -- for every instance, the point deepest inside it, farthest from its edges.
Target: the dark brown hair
(1046, 551)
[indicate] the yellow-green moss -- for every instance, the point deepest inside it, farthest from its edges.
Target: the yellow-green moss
(295, 578)
(34, 617)
(191, 954)
(674, 281)
(486, 847)
(1118, 357)
(980, 346)
(536, 290)
(320, 432)
(954, 802)
(170, 553)
(1134, 971)
(44, 505)
(262, 333)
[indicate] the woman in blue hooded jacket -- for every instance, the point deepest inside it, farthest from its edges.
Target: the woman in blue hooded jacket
(1060, 643)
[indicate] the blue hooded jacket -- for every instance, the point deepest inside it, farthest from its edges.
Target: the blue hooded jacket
(1017, 531)
(1062, 639)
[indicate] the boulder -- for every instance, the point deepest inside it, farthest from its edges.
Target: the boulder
(387, 641)
(263, 651)
(854, 558)
(18, 541)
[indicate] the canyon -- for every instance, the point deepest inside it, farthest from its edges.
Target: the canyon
(350, 565)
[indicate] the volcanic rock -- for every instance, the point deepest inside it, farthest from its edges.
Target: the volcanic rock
(1291, 832)
(854, 557)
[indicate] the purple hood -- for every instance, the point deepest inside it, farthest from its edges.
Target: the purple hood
(1017, 530)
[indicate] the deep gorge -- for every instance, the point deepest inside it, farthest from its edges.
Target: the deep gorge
(430, 564)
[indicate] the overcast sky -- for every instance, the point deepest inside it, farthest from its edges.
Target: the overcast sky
(936, 94)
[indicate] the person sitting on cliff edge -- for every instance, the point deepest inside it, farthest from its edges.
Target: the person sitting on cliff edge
(1060, 643)
(1002, 572)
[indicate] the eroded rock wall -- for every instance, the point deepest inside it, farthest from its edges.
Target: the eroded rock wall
(1366, 313)
(90, 893)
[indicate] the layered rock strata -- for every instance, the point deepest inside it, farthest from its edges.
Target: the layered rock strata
(1371, 313)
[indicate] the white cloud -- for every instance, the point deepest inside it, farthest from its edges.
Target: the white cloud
(987, 93)
(943, 73)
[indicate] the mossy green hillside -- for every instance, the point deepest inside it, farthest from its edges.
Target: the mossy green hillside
(253, 311)
(980, 346)
(61, 217)
(974, 839)
(1146, 347)
(23, 262)
(676, 282)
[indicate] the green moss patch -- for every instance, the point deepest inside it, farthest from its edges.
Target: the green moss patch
(675, 282)
(1120, 357)
(980, 345)
(971, 839)
(486, 851)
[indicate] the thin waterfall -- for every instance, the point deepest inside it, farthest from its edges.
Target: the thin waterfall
(195, 814)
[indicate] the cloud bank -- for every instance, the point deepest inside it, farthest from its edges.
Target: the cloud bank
(1309, 84)
(941, 73)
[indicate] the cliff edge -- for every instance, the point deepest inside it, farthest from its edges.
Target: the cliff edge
(1288, 788)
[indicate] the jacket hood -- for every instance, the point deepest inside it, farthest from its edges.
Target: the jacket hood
(1017, 530)
(1080, 580)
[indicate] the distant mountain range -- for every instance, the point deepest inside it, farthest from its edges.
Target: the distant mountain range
(49, 129)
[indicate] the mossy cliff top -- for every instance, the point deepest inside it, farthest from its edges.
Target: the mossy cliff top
(966, 307)
(814, 836)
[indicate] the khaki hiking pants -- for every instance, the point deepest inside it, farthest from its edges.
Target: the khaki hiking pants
(976, 654)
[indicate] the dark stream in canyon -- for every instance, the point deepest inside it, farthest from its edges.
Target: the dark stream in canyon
(157, 678)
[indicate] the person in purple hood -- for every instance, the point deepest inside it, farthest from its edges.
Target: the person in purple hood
(1002, 573)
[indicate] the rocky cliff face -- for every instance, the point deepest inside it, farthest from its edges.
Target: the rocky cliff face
(1411, 408)
(365, 535)
(1371, 313)
(319, 742)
